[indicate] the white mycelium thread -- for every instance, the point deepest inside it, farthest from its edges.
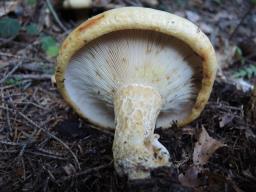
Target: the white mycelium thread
(133, 57)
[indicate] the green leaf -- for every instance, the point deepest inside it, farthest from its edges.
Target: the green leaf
(239, 52)
(248, 71)
(50, 46)
(31, 2)
(47, 41)
(52, 51)
(181, 2)
(253, 2)
(239, 74)
(12, 81)
(9, 27)
(32, 29)
(218, 2)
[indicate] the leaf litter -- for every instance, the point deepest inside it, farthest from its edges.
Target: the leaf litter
(203, 150)
(45, 146)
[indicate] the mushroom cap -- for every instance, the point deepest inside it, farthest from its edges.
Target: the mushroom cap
(115, 25)
(77, 4)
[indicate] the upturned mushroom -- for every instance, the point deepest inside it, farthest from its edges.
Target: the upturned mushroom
(132, 70)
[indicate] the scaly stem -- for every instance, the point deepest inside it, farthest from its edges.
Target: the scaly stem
(136, 148)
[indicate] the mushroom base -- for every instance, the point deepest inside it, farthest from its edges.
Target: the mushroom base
(136, 148)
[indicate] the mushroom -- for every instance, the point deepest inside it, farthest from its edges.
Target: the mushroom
(133, 69)
(77, 4)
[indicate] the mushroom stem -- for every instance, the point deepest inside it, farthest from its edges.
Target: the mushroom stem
(136, 148)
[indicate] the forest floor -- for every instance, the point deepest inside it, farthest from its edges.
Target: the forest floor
(45, 146)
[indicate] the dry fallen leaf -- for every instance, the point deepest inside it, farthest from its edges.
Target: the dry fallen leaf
(3, 64)
(190, 178)
(242, 84)
(69, 169)
(192, 16)
(223, 15)
(7, 7)
(206, 28)
(204, 148)
(225, 55)
(225, 119)
(250, 109)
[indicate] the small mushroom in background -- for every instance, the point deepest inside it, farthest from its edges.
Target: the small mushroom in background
(77, 4)
(77, 9)
(132, 70)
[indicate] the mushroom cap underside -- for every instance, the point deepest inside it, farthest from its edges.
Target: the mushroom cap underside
(136, 46)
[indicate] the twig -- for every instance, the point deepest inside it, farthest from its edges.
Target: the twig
(23, 149)
(9, 151)
(240, 22)
(7, 113)
(24, 168)
(46, 155)
(50, 173)
(5, 41)
(9, 143)
(47, 133)
(11, 72)
(49, 4)
(45, 151)
(87, 171)
(52, 136)
(7, 87)
(11, 55)
(33, 76)
(19, 57)
(34, 66)
(27, 103)
(234, 185)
